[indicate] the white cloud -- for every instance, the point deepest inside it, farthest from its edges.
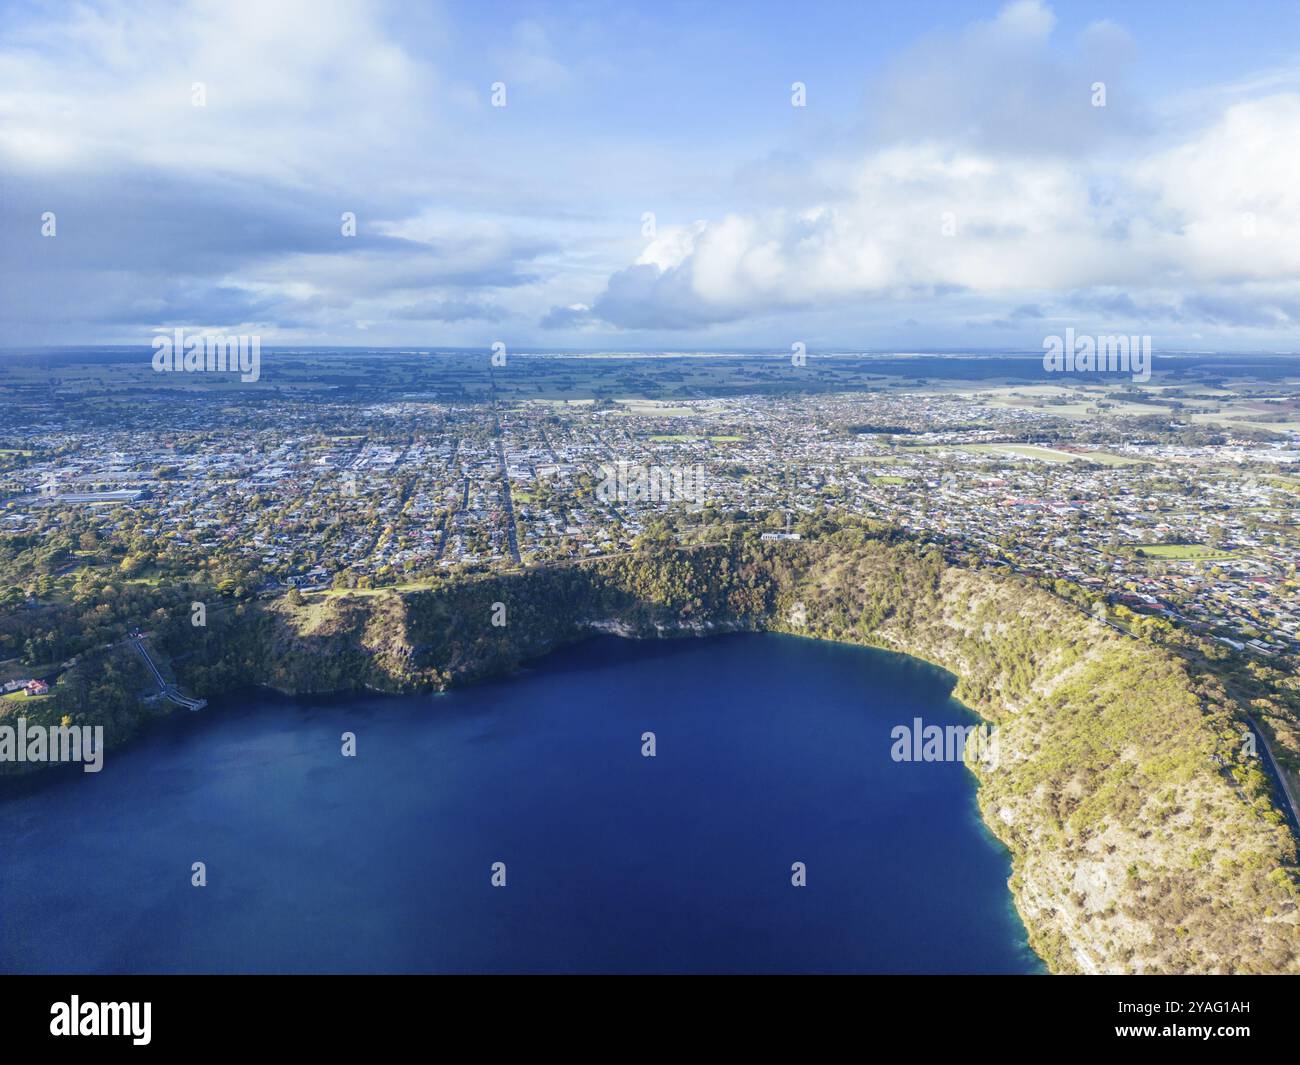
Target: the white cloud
(1226, 203)
(951, 204)
(471, 214)
(297, 91)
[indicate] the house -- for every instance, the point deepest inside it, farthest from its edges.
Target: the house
(37, 687)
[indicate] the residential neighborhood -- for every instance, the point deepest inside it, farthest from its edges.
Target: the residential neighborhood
(1179, 518)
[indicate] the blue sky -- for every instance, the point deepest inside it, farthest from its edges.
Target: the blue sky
(950, 181)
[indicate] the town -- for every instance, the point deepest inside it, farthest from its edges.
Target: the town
(1178, 502)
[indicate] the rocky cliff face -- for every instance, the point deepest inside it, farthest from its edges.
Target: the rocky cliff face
(1144, 836)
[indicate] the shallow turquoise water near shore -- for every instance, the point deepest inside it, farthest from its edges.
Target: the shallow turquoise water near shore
(770, 750)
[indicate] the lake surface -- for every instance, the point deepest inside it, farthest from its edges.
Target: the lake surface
(770, 750)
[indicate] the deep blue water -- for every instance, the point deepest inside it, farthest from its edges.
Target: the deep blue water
(771, 750)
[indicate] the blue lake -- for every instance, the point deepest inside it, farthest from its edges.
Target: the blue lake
(770, 750)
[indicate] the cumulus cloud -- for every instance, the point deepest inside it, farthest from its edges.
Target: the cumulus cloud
(996, 181)
(280, 83)
(1225, 204)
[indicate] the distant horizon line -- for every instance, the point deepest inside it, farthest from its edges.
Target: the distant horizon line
(416, 349)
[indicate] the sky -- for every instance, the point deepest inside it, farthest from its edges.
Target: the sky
(958, 175)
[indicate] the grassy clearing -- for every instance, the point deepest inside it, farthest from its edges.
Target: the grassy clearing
(1238, 415)
(23, 697)
(554, 402)
(1288, 484)
(1046, 454)
(1184, 552)
(1028, 451)
(883, 460)
(17, 671)
(1105, 458)
(652, 408)
(387, 589)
